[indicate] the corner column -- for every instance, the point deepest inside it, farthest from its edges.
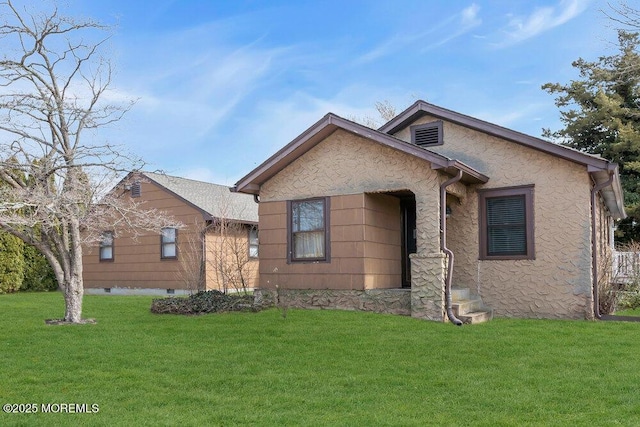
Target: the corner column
(427, 286)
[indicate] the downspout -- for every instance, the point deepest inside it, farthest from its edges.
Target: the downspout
(594, 245)
(445, 249)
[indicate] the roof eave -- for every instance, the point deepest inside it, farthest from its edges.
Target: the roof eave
(421, 108)
(326, 126)
(612, 195)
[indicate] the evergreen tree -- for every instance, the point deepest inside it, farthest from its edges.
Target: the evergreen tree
(38, 274)
(11, 263)
(601, 115)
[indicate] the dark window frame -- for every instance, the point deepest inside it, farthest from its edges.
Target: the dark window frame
(527, 191)
(438, 124)
(163, 244)
(102, 246)
(256, 245)
(291, 259)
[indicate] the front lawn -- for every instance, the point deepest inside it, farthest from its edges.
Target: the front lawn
(311, 368)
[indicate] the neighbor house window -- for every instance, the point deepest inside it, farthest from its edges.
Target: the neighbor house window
(106, 246)
(253, 242)
(506, 223)
(308, 230)
(168, 243)
(427, 134)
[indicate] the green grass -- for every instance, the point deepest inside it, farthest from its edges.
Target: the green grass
(312, 368)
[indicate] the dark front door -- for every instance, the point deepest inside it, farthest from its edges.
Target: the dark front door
(409, 234)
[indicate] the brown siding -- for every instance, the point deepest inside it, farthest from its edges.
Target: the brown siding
(227, 262)
(345, 270)
(137, 262)
(382, 250)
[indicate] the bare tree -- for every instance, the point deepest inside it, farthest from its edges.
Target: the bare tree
(220, 253)
(624, 14)
(53, 93)
(228, 256)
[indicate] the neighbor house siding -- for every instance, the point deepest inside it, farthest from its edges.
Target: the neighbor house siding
(557, 283)
(227, 263)
(137, 262)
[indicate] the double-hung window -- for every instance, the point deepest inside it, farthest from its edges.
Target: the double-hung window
(106, 246)
(308, 230)
(506, 223)
(253, 242)
(169, 243)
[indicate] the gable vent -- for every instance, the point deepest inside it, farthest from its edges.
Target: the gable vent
(427, 134)
(135, 189)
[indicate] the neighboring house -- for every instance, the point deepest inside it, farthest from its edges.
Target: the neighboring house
(217, 247)
(356, 218)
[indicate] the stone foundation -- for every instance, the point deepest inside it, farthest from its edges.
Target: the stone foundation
(391, 301)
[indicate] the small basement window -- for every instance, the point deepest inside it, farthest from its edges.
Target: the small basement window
(427, 134)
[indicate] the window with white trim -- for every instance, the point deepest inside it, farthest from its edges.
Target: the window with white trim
(169, 243)
(106, 246)
(253, 242)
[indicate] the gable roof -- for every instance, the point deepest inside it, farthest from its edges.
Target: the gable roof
(599, 168)
(326, 126)
(213, 200)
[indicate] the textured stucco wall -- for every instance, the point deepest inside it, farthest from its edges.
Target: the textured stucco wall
(557, 283)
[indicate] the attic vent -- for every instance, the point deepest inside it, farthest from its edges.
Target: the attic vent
(135, 189)
(427, 134)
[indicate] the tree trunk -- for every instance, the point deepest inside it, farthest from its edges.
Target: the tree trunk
(73, 292)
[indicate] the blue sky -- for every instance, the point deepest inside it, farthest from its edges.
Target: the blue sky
(222, 85)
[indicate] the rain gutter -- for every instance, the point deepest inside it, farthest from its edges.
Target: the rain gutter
(445, 249)
(594, 245)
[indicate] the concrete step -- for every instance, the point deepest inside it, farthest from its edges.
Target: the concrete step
(458, 294)
(461, 307)
(476, 317)
(469, 307)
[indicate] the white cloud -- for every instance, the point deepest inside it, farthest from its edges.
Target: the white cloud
(452, 27)
(540, 20)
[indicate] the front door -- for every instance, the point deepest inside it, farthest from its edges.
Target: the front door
(409, 236)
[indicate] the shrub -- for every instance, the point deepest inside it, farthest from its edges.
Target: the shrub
(11, 263)
(203, 302)
(38, 274)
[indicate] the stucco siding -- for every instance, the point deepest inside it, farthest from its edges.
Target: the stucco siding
(557, 283)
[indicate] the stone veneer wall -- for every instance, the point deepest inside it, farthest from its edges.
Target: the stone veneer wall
(557, 283)
(391, 301)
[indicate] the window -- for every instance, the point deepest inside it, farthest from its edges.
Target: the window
(253, 242)
(506, 223)
(308, 230)
(106, 246)
(168, 244)
(427, 134)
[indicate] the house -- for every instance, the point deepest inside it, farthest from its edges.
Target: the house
(432, 211)
(217, 247)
